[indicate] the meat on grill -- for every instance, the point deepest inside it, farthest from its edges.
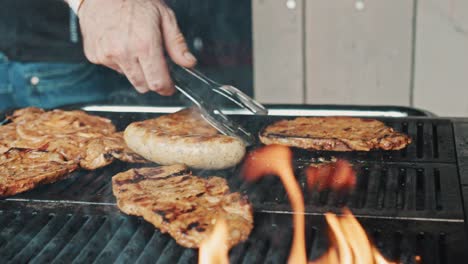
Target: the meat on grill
(334, 134)
(87, 140)
(102, 151)
(181, 204)
(22, 170)
(184, 137)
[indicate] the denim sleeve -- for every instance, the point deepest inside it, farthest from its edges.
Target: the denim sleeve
(50, 85)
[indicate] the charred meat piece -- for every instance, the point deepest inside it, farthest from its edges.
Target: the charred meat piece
(183, 205)
(22, 170)
(334, 134)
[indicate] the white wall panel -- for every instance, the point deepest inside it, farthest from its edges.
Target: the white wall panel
(441, 69)
(278, 50)
(358, 52)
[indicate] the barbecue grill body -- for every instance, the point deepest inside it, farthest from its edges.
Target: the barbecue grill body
(409, 201)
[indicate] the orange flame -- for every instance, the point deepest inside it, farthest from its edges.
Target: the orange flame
(337, 176)
(276, 159)
(350, 243)
(214, 249)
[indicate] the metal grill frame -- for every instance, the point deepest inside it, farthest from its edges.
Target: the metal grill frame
(431, 229)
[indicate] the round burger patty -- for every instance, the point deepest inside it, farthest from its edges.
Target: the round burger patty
(186, 138)
(181, 204)
(334, 133)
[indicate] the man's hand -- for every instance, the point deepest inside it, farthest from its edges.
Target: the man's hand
(129, 36)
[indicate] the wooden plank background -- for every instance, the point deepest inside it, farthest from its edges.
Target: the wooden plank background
(400, 52)
(278, 51)
(358, 56)
(441, 61)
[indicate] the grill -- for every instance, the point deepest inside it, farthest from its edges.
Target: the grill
(410, 202)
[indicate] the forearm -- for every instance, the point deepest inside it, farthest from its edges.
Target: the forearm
(74, 4)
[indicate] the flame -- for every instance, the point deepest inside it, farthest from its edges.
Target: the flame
(337, 176)
(214, 249)
(349, 242)
(276, 159)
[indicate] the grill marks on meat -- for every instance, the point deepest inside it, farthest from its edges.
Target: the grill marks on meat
(334, 133)
(184, 137)
(35, 124)
(7, 135)
(69, 139)
(22, 170)
(183, 205)
(90, 141)
(102, 151)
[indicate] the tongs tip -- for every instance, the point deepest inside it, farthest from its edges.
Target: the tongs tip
(212, 114)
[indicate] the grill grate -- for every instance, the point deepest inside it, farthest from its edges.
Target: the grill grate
(408, 200)
(381, 190)
(433, 139)
(114, 238)
(432, 142)
(388, 190)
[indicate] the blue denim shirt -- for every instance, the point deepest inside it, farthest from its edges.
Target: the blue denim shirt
(50, 85)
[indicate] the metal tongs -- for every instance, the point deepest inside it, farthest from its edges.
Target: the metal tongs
(199, 89)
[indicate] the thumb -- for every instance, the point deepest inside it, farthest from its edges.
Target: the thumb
(175, 41)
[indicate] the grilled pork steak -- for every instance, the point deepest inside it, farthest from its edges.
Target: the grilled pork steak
(103, 150)
(7, 135)
(334, 133)
(88, 140)
(184, 137)
(183, 205)
(22, 170)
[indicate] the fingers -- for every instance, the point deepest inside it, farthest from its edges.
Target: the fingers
(132, 69)
(174, 40)
(139, 54)
(153, 64)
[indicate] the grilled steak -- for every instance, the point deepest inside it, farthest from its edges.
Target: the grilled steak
(90, 141)
(22, 170)
(35, 128)
(184, 137)
(334, 133)
(102, 151)
(7, 135)
(183, 205)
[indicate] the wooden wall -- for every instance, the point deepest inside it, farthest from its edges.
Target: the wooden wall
(441, 57)
(278, 44)
(399, 52)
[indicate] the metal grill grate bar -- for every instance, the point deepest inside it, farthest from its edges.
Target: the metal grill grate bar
(19, 240)
(171, 253)
(372, 188)
(14, 226)
(60, 240)
(99, 240)
(136, 244)
(37, 243)
(188, 256)
(118, 241)
(79, 240)
(154, 248)
(113, 238)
